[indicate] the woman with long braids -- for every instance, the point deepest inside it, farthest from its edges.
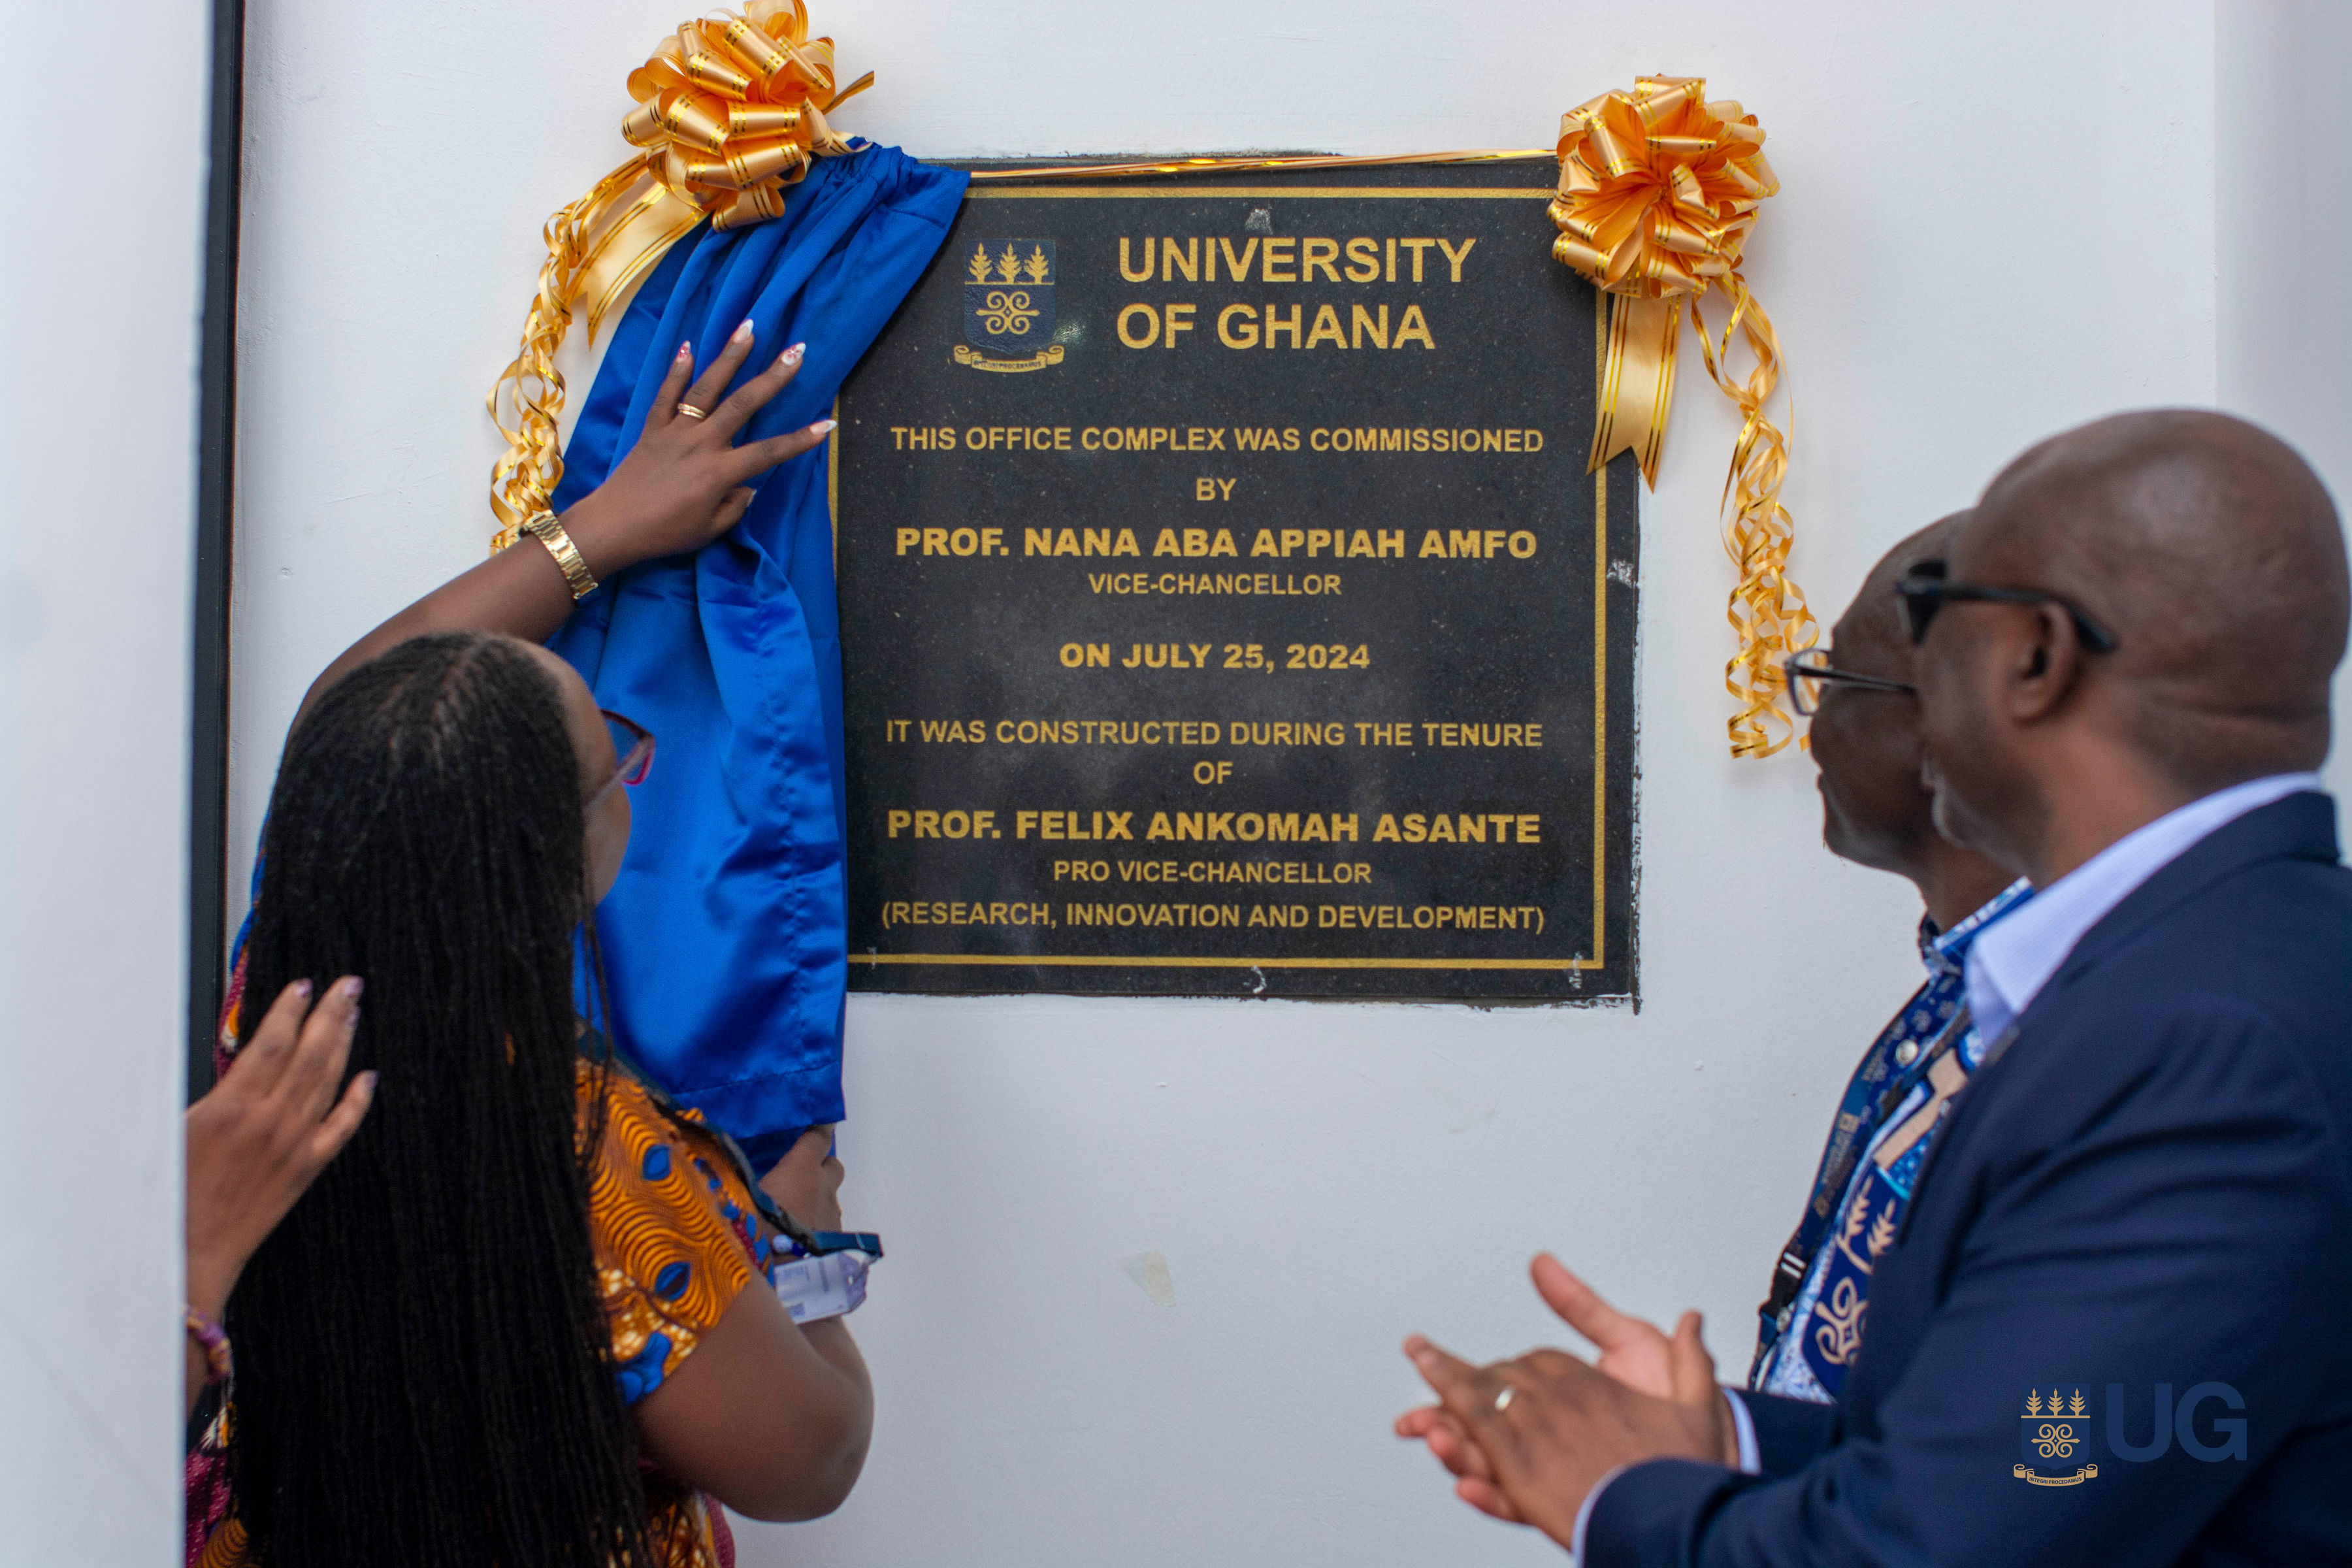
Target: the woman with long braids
(520, 1321)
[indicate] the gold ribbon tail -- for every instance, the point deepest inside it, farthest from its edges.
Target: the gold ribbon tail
(846, 93)
(1767, 610)
(527, 396)
(1637, 381)
(659, 218)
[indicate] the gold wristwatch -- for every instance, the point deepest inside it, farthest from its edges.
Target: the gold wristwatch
(543, 527)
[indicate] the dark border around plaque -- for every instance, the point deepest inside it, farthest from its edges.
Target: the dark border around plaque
(1020, 665)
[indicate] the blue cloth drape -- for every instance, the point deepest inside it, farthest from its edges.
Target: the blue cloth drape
(724, 939)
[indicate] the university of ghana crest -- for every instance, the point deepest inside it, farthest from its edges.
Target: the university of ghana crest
(2057, 1425)
(1008, 306)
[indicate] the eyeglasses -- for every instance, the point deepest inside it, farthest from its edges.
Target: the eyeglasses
(634, 744)
(1810, 671)
(1924, 591)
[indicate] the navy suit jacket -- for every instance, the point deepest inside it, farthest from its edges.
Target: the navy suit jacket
(2150, 1182)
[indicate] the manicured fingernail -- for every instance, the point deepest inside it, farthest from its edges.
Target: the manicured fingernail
(743, 332)
(302, 989)
(820, 427)
(686, 350)
(368, 1077)
(792, 354)
(352, 986)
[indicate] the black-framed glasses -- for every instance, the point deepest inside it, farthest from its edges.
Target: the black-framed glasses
(1926, 589)
(634, 744)
(1811, 674)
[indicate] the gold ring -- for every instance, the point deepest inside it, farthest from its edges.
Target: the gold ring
(1503, 1400)
(688, 411)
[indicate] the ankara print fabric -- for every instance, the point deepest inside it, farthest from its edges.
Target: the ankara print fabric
(674, 1228)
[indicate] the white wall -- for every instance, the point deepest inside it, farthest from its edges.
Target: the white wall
(1997, 220)
(2284, 202)
(100, 284)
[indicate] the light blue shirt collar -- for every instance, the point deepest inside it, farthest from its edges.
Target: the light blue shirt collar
(1945, 951)
(2011, 961)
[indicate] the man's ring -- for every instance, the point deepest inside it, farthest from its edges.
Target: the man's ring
(1503, 1400)
(688, 411)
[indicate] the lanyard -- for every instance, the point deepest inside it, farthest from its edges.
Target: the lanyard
(1865, 1106)
(1935, 1018)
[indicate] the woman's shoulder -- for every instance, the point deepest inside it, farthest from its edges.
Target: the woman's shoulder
(648, 1140)
(675, 1230)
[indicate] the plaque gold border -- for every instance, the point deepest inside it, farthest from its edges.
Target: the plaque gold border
(1386, 193)
(1599, 958)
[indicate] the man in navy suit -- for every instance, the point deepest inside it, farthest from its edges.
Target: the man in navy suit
(2114, 1323)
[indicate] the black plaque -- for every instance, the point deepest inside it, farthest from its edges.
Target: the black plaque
(1226, 605)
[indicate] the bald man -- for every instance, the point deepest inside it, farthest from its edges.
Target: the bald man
(2114, 1324)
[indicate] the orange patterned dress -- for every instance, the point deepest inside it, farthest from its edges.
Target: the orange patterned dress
(676, 1236)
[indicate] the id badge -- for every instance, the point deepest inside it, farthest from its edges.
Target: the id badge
(831, 1284)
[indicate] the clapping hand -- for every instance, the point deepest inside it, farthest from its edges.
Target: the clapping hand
(1565, 1424)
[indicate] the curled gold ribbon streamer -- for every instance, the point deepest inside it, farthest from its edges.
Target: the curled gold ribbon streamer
(1768, 610)
(730, 111)
(1658, 192)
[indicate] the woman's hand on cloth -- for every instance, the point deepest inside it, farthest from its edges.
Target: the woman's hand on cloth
(684, 483)
(1567, 1424)
(806, 1182)
(266, 1128)
(682, 486)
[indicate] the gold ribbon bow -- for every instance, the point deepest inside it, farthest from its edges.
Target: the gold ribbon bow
(730, 111)
(1658, 190)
